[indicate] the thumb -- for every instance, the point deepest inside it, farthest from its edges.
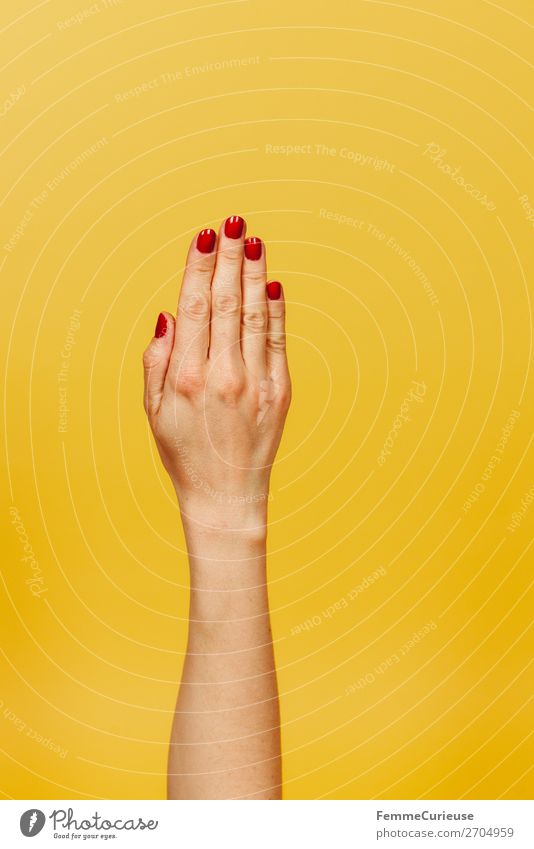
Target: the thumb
(156, 361)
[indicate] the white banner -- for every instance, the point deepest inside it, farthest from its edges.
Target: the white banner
(269, 825)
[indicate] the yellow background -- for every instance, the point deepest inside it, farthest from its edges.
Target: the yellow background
(91, 665)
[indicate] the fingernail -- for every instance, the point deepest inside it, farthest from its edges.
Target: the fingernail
(233, 227)
(161, 326)
(206, 240)
(273, 290)
(253, 248)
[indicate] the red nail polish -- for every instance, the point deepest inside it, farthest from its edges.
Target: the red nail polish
(161, 326)
(233, 227)
(206, 240)
(253, 248)
(274, 290)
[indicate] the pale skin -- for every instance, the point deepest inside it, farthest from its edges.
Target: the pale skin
(217, 390)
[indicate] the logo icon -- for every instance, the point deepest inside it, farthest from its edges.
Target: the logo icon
(31, 822)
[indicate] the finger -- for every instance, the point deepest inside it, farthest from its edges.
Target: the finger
(276, 332)
(226, 293)
(254, 309)
(156, 361)
(191, 340)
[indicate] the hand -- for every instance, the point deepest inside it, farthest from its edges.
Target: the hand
(217, 386)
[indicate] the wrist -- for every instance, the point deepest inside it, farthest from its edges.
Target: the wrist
(226, 544)
(207, 517)
(226, 566)
(226, 539)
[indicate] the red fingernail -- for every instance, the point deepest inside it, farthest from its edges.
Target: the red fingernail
(233, 227)
(253, 248)
(161, 326)
(273, 290)
(206, 240)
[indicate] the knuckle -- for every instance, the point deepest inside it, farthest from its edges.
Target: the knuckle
(230, 386)
(226, 303)
(150, 358)
(276, 342)
(254, 318)
(276, 310)
(284, 398)
(201, 264)
(231, 251)
(189, 381)
(254, 277)
(196, 306)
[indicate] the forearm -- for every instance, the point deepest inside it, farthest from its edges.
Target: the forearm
(226, 734)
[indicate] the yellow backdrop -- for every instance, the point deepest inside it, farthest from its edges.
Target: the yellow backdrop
(381, 149)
